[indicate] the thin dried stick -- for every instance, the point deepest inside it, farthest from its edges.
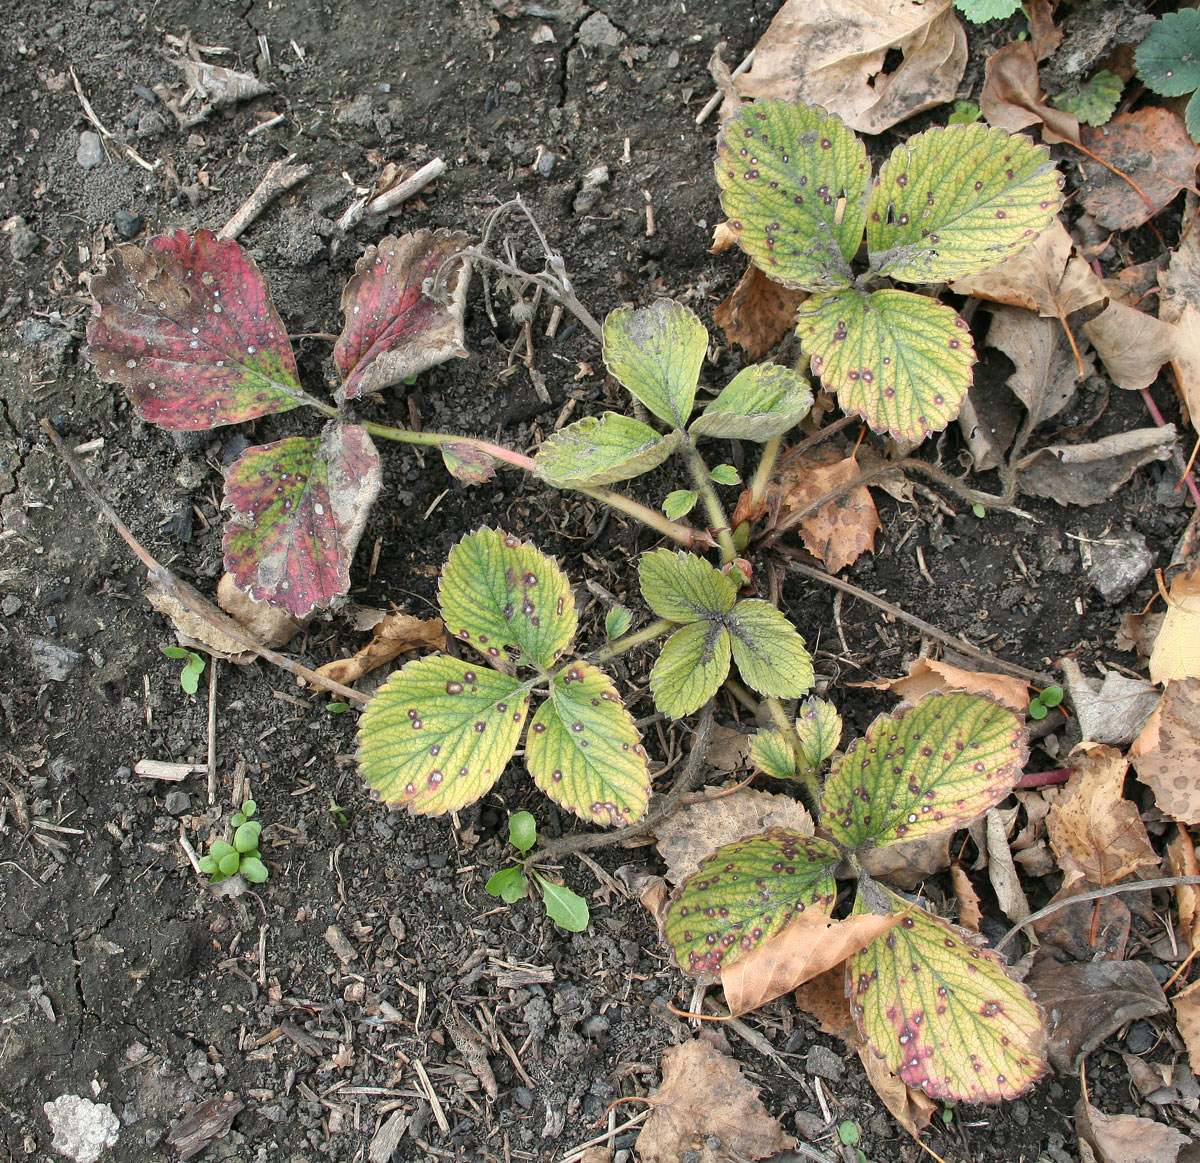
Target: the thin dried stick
(281, 175)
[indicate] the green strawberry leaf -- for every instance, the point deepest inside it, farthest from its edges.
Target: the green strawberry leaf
(1191, 116)
(599, 450)
(394, 330)
(509, 884)
(187, 325)
(507, 599)
(943, 1013)
(585, 753)
(725, 474)
(1095, 102)
(616, 622)
(299, 509)
(761, 402)
(684, 587)
(769, 653)
(1168, 60)
(899, 360)
(981, 11)
(927, 768)
(949, 202)
(691, 668)
(771, 752)
(439, 733)
(253, 869)
(522, 831)
(965, 112)
(819, 729)
(565, 908)
(793, 184)
(466, 463)
(679, 503)
(745, 893)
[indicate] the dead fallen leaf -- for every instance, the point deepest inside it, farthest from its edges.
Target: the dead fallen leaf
(912, 1109)
(907, 863)
(1166, 755)
(1150, 145)
(810, 945)
(706, 1110)
(1131, 344)
(930, 674)
(1093, 829)
(839, 532)
(1181, 855)
(1044, 35)
(723, 238)
(1186, 1004)
(1176, 653)
(989, 419)
(758, 312)
(193, 631)
(727, 749)
(833, 53)
(1087, 474)
(1111, 712)
(1010, 896)
(1012, 96)
(218, 86)
(393, 636)
(1085, 1003)
(1179, 303)
(1138, 633)
(691, 834)
(1127, 1138)
(969, 912)
(1046, 372)
(268, 624)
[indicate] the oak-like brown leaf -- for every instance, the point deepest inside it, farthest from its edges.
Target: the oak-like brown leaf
(1166, 755)
(758, 312)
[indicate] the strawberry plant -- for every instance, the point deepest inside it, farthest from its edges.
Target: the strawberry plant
(940, 1009)
(797, 188)
(565, 908)
(1168, 60)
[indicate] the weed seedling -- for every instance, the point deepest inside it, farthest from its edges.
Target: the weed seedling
(193, 667)
(565, 908)
(1040, 704)
(340, 818)
(227, 859)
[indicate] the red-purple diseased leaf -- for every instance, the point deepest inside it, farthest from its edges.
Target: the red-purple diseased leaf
(299, 507)
(468, 464)
(186, 323)
(394, 330)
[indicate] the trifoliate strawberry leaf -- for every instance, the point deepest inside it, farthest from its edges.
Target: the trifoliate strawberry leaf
(565, 908)
(585, 753)
(468, 464)
(949, 202)
(1191, 116)
(398, 323)
(772, 753)
(769, 653)
(927, 768)
(616, 622)
(187, 325)
(506, 599)
(899, 360)
(679, 503)
(793, 184)
(759, 403)
(943, 1013)
(691, 668)
(684, 587)
(725, 474)
(1095, 102)
(656, 352)
(509, 884)
(745, 893)
(439, 733)
(1168, 60)
(299, 507)
(981, 11)
(600, 450)
(819, 729)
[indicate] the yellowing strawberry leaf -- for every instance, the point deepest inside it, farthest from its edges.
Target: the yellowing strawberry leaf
(395, 327)
(187, 325)
(656, 352)
(793, 183)
(927, 768)
(599, 450)
(299, 508)
(899, 360)
(506, 599)
(760, 402)
(693, 664)
(439, 733)
(769, 653)
(819, 729)
(585, 753)
(745, 893)
(949, 202)
(771, 752)
(684, 587)
(679, 503)
(943, 1013)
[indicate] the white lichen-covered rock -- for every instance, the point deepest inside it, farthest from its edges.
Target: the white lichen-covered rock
(82, 1128)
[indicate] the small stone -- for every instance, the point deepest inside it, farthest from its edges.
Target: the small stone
(82, 1128)
(1118, 564)
(178, 803)
(1020, 1112)
(10, 604)
(127, 224)
(1140, 1038)
(824, 1063)
(53, 663)
(673, 59)
(545, 165)
(90, 153)
(543, 34)
(596, 1026)
(598, 32)
(524, 1096)
(23, 244)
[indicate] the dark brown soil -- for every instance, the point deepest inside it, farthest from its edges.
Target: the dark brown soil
(122, 977)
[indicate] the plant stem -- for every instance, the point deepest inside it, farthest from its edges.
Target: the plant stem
(712, 503)
(762, 475)
(439, 439)
(686, 535)
(631, 641)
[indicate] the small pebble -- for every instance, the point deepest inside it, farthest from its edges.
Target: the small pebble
(127, 224)
(524, 1096)
(545, 165)
(673, 59)
(1140, 1038)
(1020, 1112)
(824, 1063)
(90, 153)
(178, 803)
(23, 244)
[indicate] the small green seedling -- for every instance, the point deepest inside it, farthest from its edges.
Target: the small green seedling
(965, 113)
(1040, 704)
(339, 815)
(850, 1135)
(227, 859)
(1168, 60)
(193, 667)
(565, 908)
(979, 510)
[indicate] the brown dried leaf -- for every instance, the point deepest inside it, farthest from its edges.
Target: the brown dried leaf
(1086, 930)
(1179, 303)
(758, 312)
(912, 1109)
(1131, 344)
(1127, 1138)
(929, 674)
(839, 532)
(393, 636)
(1176, 653)
(1046, 372)
(1010, 896)
(969, 912)
(704, 1097)
(1181, 855)
(1150, 145)
(1044, 35)
(906, 864)
(268, 624)
(832, 53)
(1012, 96)
(1113, 711)
(1093, 829)
(1166, 755)
(809, 946)
(1187, 1017)
(1087, 474)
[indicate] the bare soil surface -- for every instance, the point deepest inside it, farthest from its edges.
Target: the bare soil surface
(321, 1003)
